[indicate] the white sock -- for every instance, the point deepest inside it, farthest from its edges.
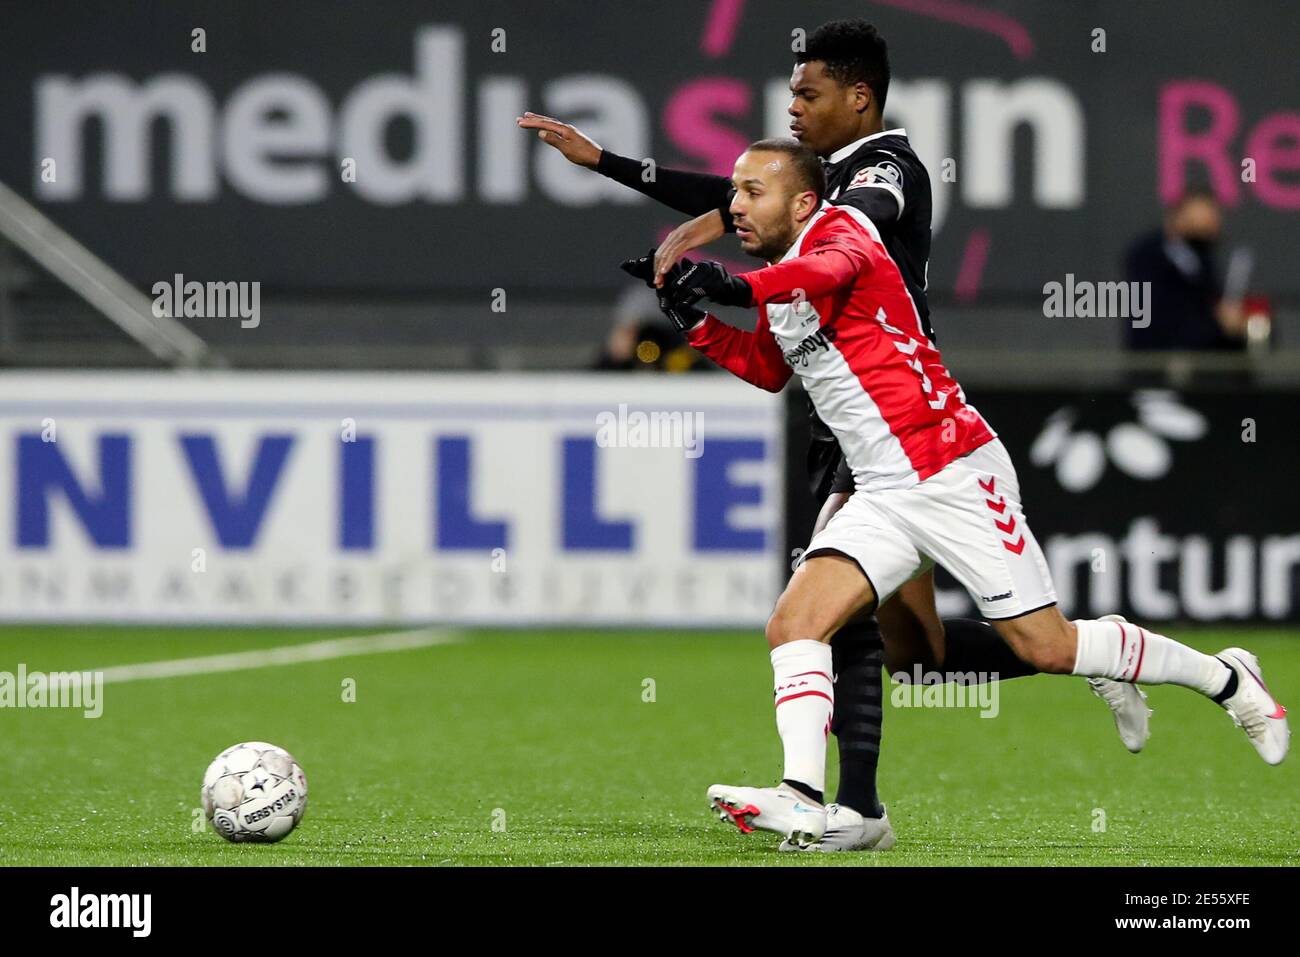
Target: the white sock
(1127, 652)
(805, 694)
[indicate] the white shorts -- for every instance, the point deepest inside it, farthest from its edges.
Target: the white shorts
(966, 517)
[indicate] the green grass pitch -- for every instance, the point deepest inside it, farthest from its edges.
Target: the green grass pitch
(537, 748)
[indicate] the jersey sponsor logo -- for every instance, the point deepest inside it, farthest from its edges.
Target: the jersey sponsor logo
(819, 341)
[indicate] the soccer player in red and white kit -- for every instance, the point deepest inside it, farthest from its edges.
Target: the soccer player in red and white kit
(838, 86)
(933, 484)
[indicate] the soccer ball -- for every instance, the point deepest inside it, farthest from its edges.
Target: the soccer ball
(254, 792)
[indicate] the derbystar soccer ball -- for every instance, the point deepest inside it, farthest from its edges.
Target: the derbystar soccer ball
(254, 792)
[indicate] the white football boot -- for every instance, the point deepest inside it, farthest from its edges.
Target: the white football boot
(781, 809)
(1254, 709)
(847, 830)
(1127, 703)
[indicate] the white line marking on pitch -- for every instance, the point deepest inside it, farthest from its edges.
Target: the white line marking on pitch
(284, 655)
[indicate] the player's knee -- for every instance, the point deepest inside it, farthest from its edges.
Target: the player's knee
(786, 625)
(778, 629)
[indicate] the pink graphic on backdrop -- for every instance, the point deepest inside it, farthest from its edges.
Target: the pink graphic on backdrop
(690, 121)
(971, 271)
(720, 27)
(1009, 30)
(1275, 145)
(1177, 146)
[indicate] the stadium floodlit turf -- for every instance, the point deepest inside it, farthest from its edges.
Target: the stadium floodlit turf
(537, 748)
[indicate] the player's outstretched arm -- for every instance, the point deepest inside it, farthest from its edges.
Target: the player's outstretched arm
(827, 267)
(817, 273)
(752, 356)
(689, 193)
(574, 145)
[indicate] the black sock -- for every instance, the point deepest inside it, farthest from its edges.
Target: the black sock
(971, 645)
(857, 657)
(1229, 689)
(811, 794)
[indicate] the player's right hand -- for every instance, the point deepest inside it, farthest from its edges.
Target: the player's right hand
(692, 234)
(681, 315)
(568, 139)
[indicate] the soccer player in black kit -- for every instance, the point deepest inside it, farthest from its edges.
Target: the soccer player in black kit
(839, 84)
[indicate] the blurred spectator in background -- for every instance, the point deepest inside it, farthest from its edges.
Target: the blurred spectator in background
(642, 340)
(1188, 308)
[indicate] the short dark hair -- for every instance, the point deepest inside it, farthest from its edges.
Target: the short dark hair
(806, 164)
(854, 52)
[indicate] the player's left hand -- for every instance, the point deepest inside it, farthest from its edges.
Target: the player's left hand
(707, 280)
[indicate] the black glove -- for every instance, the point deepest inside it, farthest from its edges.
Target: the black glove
(643, 268)
(707, 280)
(682, 315)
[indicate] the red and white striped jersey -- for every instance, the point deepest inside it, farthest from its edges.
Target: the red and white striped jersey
(836, 312)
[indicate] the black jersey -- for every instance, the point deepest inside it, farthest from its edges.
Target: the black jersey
(882, 176)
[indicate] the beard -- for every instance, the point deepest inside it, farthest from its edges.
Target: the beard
(770, 248)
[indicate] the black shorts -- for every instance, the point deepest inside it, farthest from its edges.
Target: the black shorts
(828, 472)
(843, 481)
